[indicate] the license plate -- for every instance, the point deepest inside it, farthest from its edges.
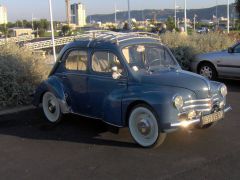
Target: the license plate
(212, 117)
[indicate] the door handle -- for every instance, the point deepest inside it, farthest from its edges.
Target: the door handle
(64, 76)
(122, 83)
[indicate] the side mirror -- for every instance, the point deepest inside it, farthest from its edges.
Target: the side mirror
(230, 50)
(116, 74)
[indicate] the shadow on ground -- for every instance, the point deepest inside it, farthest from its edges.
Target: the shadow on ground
(30, 124)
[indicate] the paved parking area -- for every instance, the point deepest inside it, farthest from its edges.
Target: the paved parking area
(80, 148)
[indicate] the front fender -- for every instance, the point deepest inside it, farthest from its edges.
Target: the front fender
(52, 84)
(160, 99)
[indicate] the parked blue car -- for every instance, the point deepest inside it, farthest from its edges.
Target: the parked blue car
(130, 80)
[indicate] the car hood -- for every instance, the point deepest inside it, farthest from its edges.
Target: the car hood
(179, 78)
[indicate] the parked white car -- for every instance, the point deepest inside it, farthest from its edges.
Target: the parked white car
(214, 65)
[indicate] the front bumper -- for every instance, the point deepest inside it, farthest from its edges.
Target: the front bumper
(194, 121)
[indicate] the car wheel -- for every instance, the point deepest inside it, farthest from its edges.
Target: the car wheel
(51, 108)
(208, 70)
(144, 128)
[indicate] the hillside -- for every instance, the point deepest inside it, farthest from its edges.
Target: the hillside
(206, 13)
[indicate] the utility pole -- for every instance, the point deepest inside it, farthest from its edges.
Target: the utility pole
(115, 11)
(52, 29)
(194, 22)
(129, 14)
(228, 17)
(185, 16)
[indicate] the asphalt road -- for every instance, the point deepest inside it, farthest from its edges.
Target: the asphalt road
(81, 148)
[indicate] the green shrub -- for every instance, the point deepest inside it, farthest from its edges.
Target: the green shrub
(185, 48)
(20, 73)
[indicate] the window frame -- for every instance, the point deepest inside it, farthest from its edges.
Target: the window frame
(106, 74)
(66, 55)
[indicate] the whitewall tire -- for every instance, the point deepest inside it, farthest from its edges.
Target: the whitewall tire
(143, 126)
(51, 108)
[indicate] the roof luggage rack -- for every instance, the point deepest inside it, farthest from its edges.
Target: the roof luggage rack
(115, 37)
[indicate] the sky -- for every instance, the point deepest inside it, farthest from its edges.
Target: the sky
(25, 9)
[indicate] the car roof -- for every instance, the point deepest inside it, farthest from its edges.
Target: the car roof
(109, 39)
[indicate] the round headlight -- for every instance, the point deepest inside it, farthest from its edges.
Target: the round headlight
(178, 102)
(223, 90)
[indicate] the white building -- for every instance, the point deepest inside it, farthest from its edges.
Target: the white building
(78, 14)
(3, 15)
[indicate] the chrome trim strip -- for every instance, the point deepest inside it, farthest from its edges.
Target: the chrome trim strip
(197, 100)
(227, 109)
(196, 105)
(189, 123)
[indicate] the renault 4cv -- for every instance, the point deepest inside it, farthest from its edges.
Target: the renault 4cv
(130, 80)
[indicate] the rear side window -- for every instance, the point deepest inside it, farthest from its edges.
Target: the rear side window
(102, 62)
(76, 61)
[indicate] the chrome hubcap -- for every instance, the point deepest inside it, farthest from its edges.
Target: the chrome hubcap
(51, 106)
(206, 72)
(144, 127)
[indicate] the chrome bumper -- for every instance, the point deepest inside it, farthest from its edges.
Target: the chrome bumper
(195, 121)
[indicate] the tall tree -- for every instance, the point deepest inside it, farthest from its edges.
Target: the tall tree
(238, 7)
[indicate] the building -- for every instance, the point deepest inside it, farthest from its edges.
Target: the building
(16, 32)
(78, 14)
(3, 15)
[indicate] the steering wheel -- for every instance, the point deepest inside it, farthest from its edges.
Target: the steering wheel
(155, 60)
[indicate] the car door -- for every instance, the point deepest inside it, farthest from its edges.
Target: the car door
(75, 79)
(230, 63)
(105, 92)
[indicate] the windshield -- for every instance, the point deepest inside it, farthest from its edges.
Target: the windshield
(148, 57)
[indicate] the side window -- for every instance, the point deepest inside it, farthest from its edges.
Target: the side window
(103, 62)
(76, 61)
(237, 49)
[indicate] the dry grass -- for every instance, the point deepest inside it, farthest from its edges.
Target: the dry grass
(20, 73)
(186, 47)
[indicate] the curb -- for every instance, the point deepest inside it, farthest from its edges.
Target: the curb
(16, 110)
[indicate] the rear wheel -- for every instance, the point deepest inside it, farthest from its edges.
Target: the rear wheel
(144, 128)
(51, 108)
(208, 70)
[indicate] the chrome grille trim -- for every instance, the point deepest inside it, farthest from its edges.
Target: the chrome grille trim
(202, 105)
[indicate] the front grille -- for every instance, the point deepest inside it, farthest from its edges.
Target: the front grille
(202, 105)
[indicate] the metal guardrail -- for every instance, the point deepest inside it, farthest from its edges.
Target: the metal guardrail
(90, 35)
(17, 39)
(58, 42)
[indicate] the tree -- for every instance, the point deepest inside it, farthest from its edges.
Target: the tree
(238, 7)
(65, 30)
(170, 23)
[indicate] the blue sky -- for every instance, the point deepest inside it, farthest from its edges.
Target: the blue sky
(23, 9)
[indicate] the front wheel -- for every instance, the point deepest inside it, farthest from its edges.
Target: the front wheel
(144, 128)
(208, 70)
(51, 108)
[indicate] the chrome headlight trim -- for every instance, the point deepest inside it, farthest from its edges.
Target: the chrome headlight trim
(178, 102)
(223, 90)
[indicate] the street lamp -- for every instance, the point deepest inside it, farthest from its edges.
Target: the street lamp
(115, 11)
(52, 29)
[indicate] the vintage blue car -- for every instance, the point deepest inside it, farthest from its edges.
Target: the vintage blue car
(130, 80)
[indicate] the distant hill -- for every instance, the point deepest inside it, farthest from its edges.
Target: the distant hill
(206, 13)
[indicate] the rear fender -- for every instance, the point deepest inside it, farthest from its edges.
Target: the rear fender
(55, 86)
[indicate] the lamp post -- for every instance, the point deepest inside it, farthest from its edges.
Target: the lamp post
(228, 16)
(52, 29)
(185, 16)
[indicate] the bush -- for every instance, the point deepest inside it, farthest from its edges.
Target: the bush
(185, 48)
(20, 73)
